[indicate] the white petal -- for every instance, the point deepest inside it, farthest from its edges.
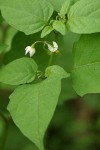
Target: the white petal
(32, 52)
(50, 48)
(54, 49)
(27, 49)
(55, 45)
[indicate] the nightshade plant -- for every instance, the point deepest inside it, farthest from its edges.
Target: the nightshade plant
(37, 80)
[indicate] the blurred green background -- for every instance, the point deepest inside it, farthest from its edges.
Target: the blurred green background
(76, 122)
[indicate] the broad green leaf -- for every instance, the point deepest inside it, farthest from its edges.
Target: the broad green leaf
(59, 26)
(65, 8)
(86, 72)
(32, 106)
(47, 30)
(27, 16)
(84, 16)
(3, 47)
(19, 71)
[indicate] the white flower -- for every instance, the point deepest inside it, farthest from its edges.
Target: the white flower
(29, 50)
(53, 47)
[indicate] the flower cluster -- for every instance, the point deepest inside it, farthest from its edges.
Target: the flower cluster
(31, 49)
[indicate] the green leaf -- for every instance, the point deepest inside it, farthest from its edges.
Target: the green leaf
(27, 16)
(3, 47)
(65, 8)
(84, 16)
(32, 106)
(19, 71)
(59, 26)
(46, 31)
(86, 72)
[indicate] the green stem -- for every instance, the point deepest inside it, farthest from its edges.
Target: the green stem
(44, 42)
(50, 60)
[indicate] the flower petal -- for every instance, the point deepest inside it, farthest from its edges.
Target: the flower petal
(27, 49)
(32, 52)
(55, 45)
(55, 49)
(50, 48)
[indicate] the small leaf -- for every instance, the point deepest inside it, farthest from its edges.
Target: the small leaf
(84, 17)
(86, 72)
(46, 31)
(19, 71)
(65, 8)
(56, 71)
(32, 106)
(60, 27)
(27, 16)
